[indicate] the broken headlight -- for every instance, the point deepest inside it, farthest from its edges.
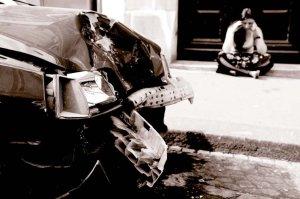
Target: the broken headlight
(97, 90)
(79, 95)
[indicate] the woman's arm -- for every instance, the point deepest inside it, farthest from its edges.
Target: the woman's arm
(228, 45)
(259, 42)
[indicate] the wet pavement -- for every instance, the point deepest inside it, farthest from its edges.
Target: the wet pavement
(201, 174)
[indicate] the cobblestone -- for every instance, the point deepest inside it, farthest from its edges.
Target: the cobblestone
(186, 150)
(174, 148)
(270, 192)
(235, 176)
(249, 196)
(176, 180)
(225, 193)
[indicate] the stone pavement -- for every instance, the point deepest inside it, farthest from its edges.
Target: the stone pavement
(201, 174)
(258, 118)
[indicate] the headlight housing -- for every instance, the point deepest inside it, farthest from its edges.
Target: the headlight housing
(79, 95)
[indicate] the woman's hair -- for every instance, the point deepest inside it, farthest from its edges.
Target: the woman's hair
(246, 13)
(239, 38)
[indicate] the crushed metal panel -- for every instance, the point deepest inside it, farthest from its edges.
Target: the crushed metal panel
(140, 60)
(9, 46)
(141, 144)
(136, 60)
(21, 80)
(46, 33)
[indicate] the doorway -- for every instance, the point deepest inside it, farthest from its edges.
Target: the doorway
(202, 26)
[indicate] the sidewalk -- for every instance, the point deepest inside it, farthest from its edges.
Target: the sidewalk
(264, 109)
(217, 175)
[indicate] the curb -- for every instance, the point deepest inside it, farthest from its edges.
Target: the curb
(282, 163)
(279, 69)
(192, 142)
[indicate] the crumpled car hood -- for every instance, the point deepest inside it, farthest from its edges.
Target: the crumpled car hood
(77, 41)
(53, 33)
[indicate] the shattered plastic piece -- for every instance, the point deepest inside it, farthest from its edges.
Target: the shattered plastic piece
(169, 94)
(143, 146)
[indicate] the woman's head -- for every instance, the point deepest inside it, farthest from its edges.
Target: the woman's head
(247, 19)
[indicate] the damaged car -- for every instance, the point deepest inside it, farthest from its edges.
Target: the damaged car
(81, 96)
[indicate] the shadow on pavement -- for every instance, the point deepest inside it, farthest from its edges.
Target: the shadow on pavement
(225, 144)
(197, 141)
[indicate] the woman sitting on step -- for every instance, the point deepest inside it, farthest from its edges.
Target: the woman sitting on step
(244, 51)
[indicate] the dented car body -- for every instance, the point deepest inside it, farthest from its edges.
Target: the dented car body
(70, 79)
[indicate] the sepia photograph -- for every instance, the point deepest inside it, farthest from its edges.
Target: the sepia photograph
(150, 99)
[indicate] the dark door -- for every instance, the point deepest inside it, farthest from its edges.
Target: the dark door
(202, 26)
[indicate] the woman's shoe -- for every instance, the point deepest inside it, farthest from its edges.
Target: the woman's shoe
(254, 74)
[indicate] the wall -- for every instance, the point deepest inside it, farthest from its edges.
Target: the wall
(82, 4)
(154, 19)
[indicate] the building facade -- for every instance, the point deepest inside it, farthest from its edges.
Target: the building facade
(195, 29)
